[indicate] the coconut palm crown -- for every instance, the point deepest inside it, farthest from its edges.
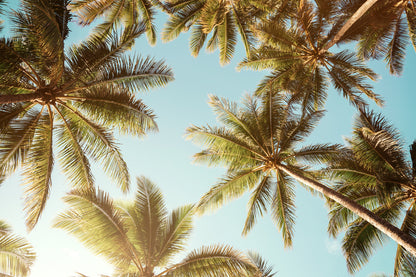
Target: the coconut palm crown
(294, 51)
(68, 99)
(141, 238)
(374, 172)
(254, 141)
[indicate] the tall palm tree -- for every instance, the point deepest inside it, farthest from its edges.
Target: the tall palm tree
(383, 28)
(374, 172)
(16, 254)
(118, 12)
(70, 100)
(140, 238)
(257, 145)
(223, 19)
(293, 51)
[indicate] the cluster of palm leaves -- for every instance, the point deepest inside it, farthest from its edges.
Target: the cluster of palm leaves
(16, 254)
(140, 238)
(65, 102)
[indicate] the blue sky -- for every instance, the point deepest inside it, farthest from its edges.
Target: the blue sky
(166, 158)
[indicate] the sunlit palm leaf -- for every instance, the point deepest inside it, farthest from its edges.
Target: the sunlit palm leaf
(100, 145)
(93, 218)
(116, 108)
(38, 170)
(16, 254)
(226, 261)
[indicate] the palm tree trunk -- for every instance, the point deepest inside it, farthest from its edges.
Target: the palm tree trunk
(16, 98)
(357, 15)
(403, 239)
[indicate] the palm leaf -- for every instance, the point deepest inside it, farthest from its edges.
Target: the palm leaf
(101, 222)
(150, 207)
(100, 144)
(71, 154)
(283, 208)
(260, 198)
(212, 261)
(227, 38)
(176, 232)
(116, 108)
(16, 255)
(229, 188)
(38, 170)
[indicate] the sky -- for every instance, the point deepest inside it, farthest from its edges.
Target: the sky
(166, 159)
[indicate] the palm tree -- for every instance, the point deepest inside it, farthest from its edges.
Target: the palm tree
(118, 12)
(224, 19)
(257, 146)
(16, 254)
(71, 100)
(140, 238)
(293, 51)
(383, 29)
(374, 172)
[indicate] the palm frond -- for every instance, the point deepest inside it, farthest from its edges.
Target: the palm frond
(100, 145)
(181, 20)
(212, 261)
(265, 270)
(260, 199)
(16, 255)
(134, 73)
(319, 153)
(176, 232)
(86, 59)
(116, 108)
(48, 41)
(397, 47)
(283, 208)
(15, 142)
(95, 221)
(38, 170)
(228, 188)
(71, 155)
(244, 30)
(197, 39)
(227, 38)
(222, 140)
(296, 129)
(411, 23)
(361, 239)
(405, 263)
(150, 207)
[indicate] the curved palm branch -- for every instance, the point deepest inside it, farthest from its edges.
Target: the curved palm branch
(16, 254)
